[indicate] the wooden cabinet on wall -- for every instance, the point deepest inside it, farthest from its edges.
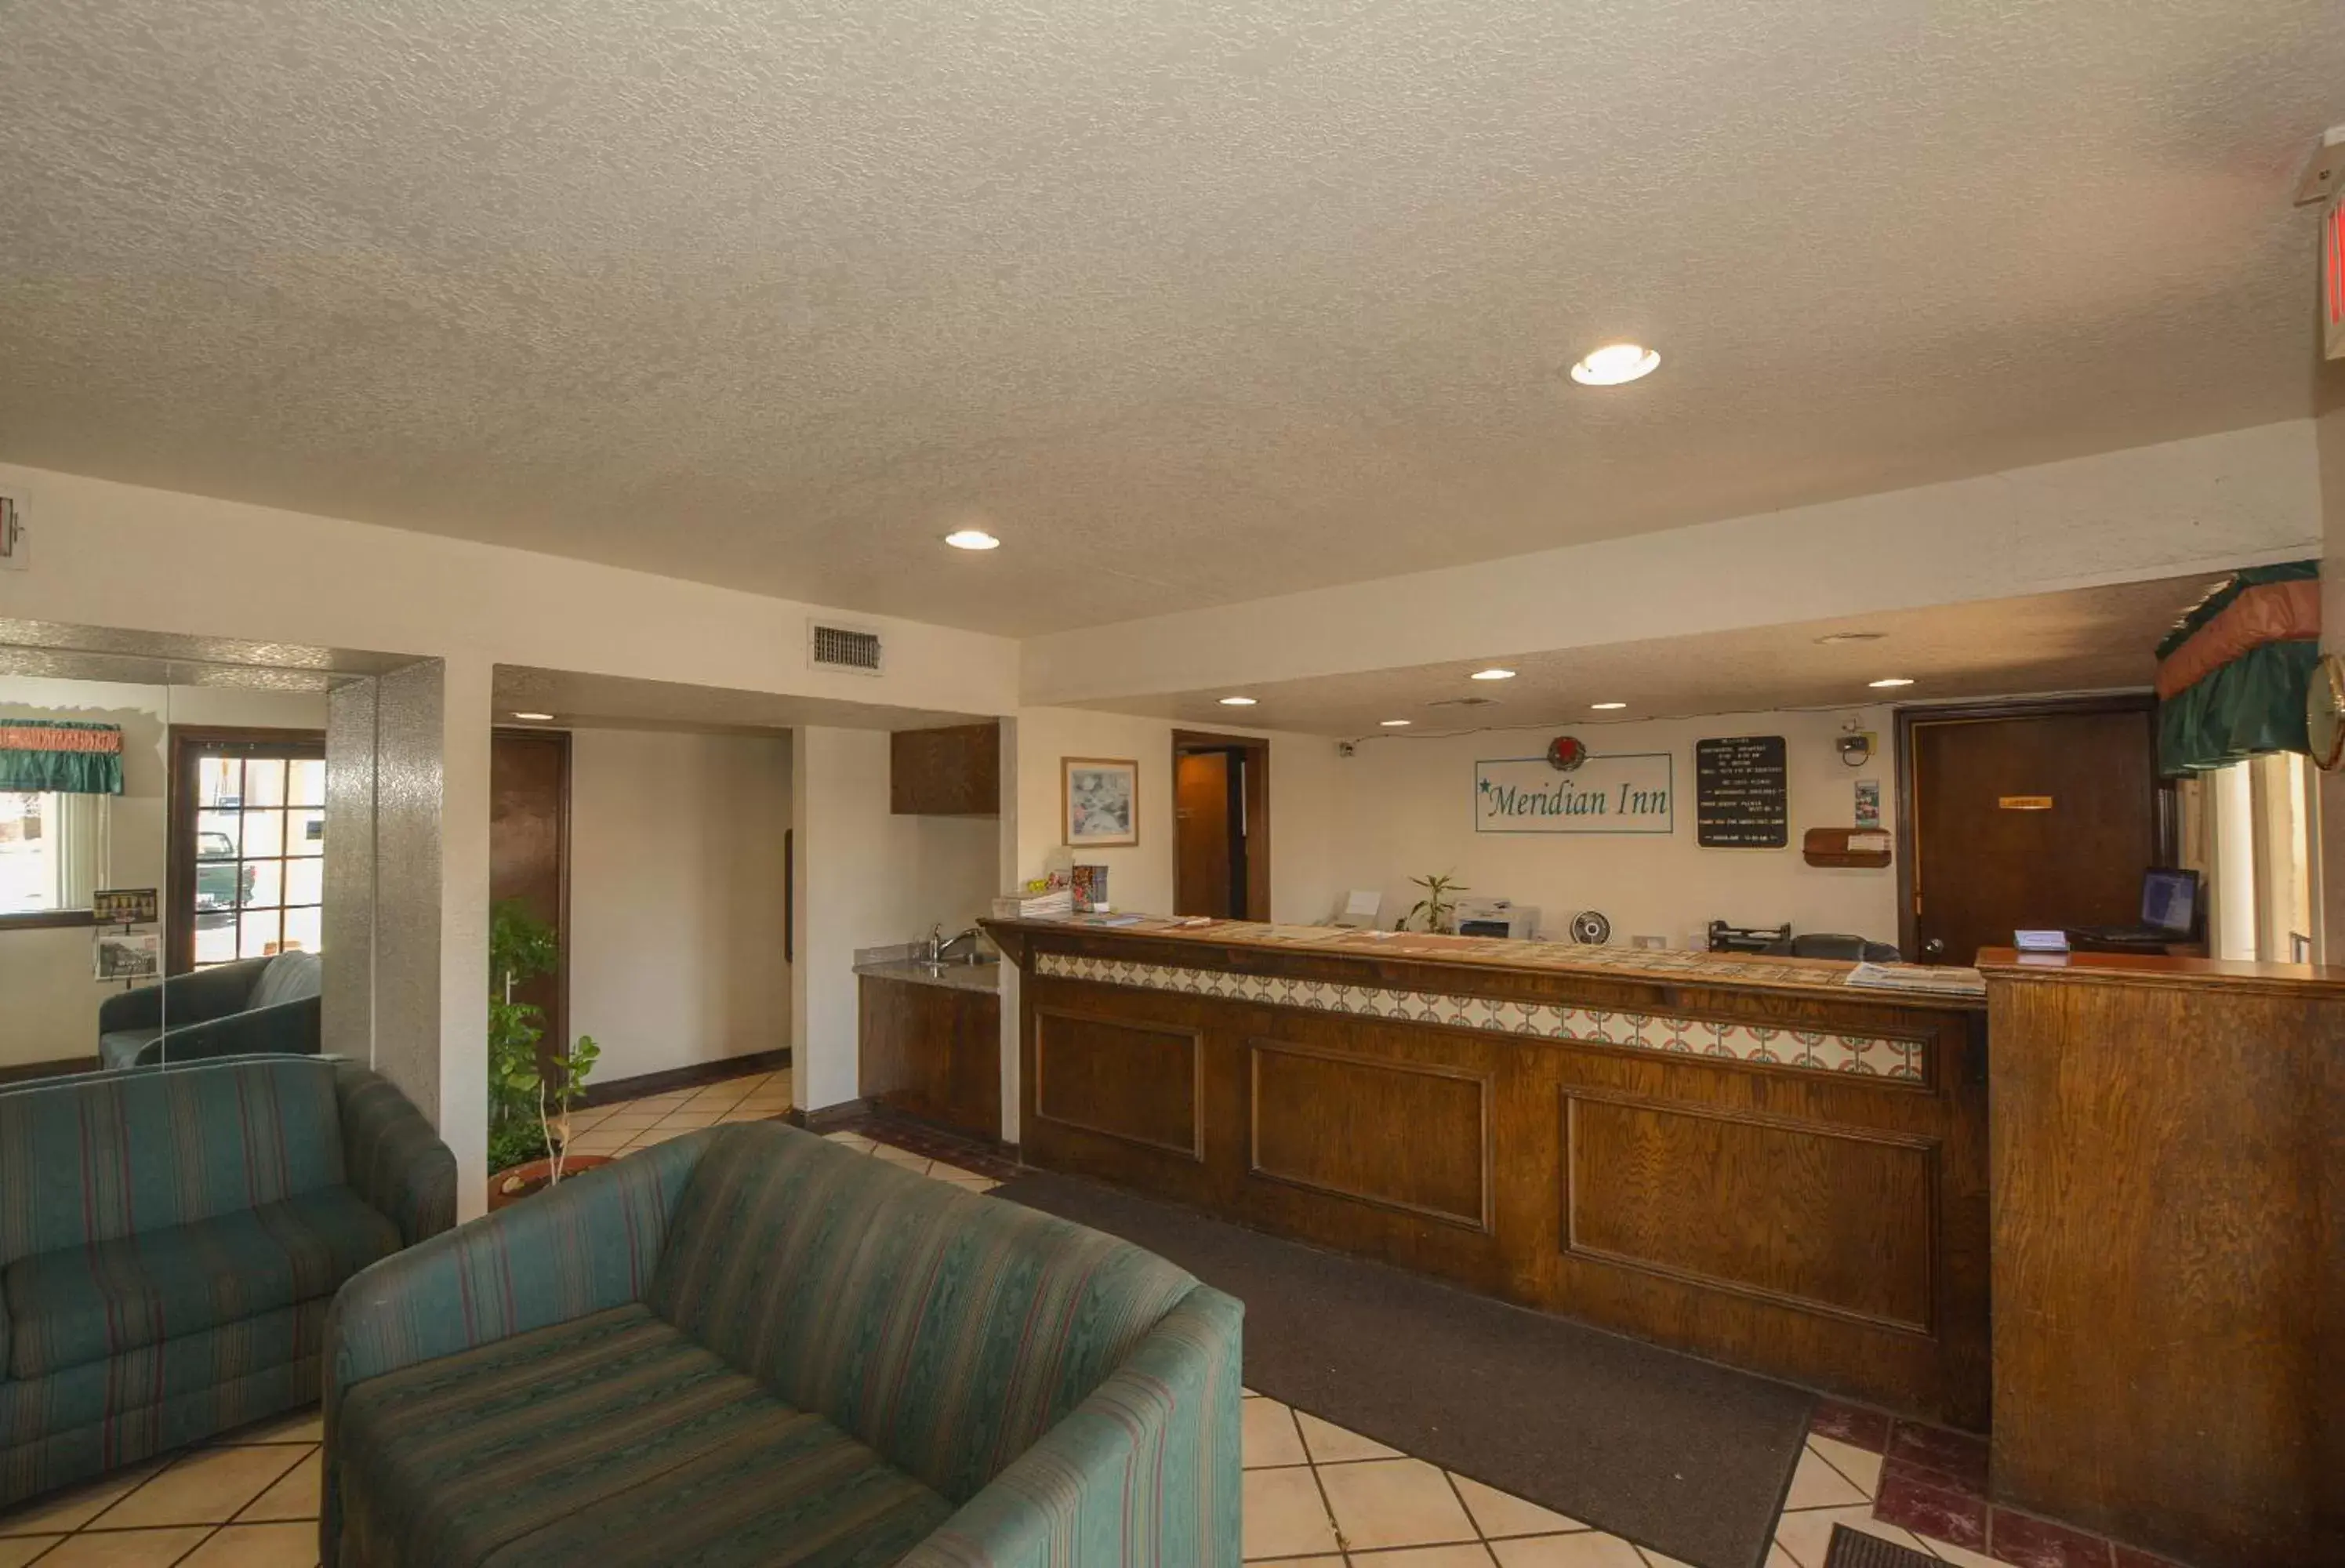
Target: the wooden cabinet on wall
(933, 1052)
(950, 772)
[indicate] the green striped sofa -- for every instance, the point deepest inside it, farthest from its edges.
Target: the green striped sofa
(749, 1346)
(170, 1240)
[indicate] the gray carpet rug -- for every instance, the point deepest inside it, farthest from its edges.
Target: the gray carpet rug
(1684, 1456)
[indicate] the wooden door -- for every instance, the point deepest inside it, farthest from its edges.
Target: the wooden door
(529, 853)
(2025, 820)
(1202, 836)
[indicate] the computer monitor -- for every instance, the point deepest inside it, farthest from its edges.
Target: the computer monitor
(2169, 900)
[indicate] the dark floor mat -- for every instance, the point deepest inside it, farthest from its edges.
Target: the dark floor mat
(1855, 1549)
(1689, 1458)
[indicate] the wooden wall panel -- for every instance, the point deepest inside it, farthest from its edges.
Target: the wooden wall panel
(1805, 1214)
(2169, 1262)
(933, 1053)
(1136, 1082)
(1395, 1133)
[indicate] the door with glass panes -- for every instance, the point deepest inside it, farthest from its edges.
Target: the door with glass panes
(248, 844)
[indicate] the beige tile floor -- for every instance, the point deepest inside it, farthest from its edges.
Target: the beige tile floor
(1317, 1496)
(631, 1125)
(247, 1501)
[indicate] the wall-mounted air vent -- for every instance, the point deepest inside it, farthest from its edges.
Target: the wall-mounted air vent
(1461, 702)
(854, 649)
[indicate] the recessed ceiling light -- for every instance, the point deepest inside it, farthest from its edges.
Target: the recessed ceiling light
(1492, 674)
(1393, 723)
(971, 538)
(1237, 701)
(1608, 706)
(1830, 638)
(1614, 363)
(533, 718)
(1891, 681)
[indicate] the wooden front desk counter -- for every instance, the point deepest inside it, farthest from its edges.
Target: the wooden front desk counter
(1742, 1157)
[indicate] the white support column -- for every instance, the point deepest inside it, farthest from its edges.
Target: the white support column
(431, 903)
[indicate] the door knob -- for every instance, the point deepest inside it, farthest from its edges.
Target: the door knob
(1933, 949)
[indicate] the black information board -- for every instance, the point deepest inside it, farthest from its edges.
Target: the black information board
(1741, 793)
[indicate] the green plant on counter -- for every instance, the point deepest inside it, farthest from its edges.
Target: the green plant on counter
(1436, 905)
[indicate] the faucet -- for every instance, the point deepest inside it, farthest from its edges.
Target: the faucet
(949, 943)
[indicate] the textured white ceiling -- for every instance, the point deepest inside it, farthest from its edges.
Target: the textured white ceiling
(1190, 302)
(2085, 639)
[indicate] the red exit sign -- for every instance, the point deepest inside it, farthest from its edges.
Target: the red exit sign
(2333, 276)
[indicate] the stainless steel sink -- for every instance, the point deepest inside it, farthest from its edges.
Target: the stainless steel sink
(964, 961)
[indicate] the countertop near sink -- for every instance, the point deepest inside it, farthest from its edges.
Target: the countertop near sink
(985, 976)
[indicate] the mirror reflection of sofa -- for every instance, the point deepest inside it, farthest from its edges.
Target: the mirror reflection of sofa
(250, 1008)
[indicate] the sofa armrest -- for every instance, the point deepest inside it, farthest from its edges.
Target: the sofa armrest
(588, 1245)
(196, 998)
(140, 1008)
(1145, 1472)
(289, 1029)
(390, 1155)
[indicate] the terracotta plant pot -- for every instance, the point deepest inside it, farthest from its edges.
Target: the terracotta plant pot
(515, 1182)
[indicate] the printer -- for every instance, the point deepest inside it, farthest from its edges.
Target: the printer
(1496, 917)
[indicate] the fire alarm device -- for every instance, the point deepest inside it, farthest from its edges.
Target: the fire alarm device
(1566, 752)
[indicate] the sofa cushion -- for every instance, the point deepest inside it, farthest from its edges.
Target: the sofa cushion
(103, 1155)
(120, 1047)
(289, 978)
(614, 1440)
(947, 1330)
(121, 1394)
(85, 1303)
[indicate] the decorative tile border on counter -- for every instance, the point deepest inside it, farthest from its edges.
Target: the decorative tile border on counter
(1872, 1056)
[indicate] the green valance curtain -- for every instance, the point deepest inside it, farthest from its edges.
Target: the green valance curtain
(2231, 675)
(41, 755)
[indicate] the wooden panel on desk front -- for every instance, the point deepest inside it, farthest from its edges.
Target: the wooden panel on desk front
(2168, 1280)
(1801, 1214)
(1367, 1133)
(1403, 1134)
(1137, 1082)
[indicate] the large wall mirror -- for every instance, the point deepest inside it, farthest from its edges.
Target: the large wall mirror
(168, 885)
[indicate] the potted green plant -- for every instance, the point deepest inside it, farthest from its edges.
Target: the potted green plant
(530, 1094)
(1436, 905)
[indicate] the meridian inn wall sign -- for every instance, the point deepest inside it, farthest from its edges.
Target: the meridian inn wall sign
(1632, 792)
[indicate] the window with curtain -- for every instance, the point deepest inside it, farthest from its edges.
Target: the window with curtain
(52, 851)
(57, 777)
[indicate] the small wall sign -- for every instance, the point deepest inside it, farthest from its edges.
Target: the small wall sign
(2025, 802)
(1741, 792)
(125, 907)
(1632, 792)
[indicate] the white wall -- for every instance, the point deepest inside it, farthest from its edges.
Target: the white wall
(135, 559)
(51, 1001)
(677, 896)
(2211, 504)
(867, 878)
(1140, 877)
(1404, 809)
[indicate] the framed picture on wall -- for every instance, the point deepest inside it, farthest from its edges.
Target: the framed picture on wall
(1099, 799)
